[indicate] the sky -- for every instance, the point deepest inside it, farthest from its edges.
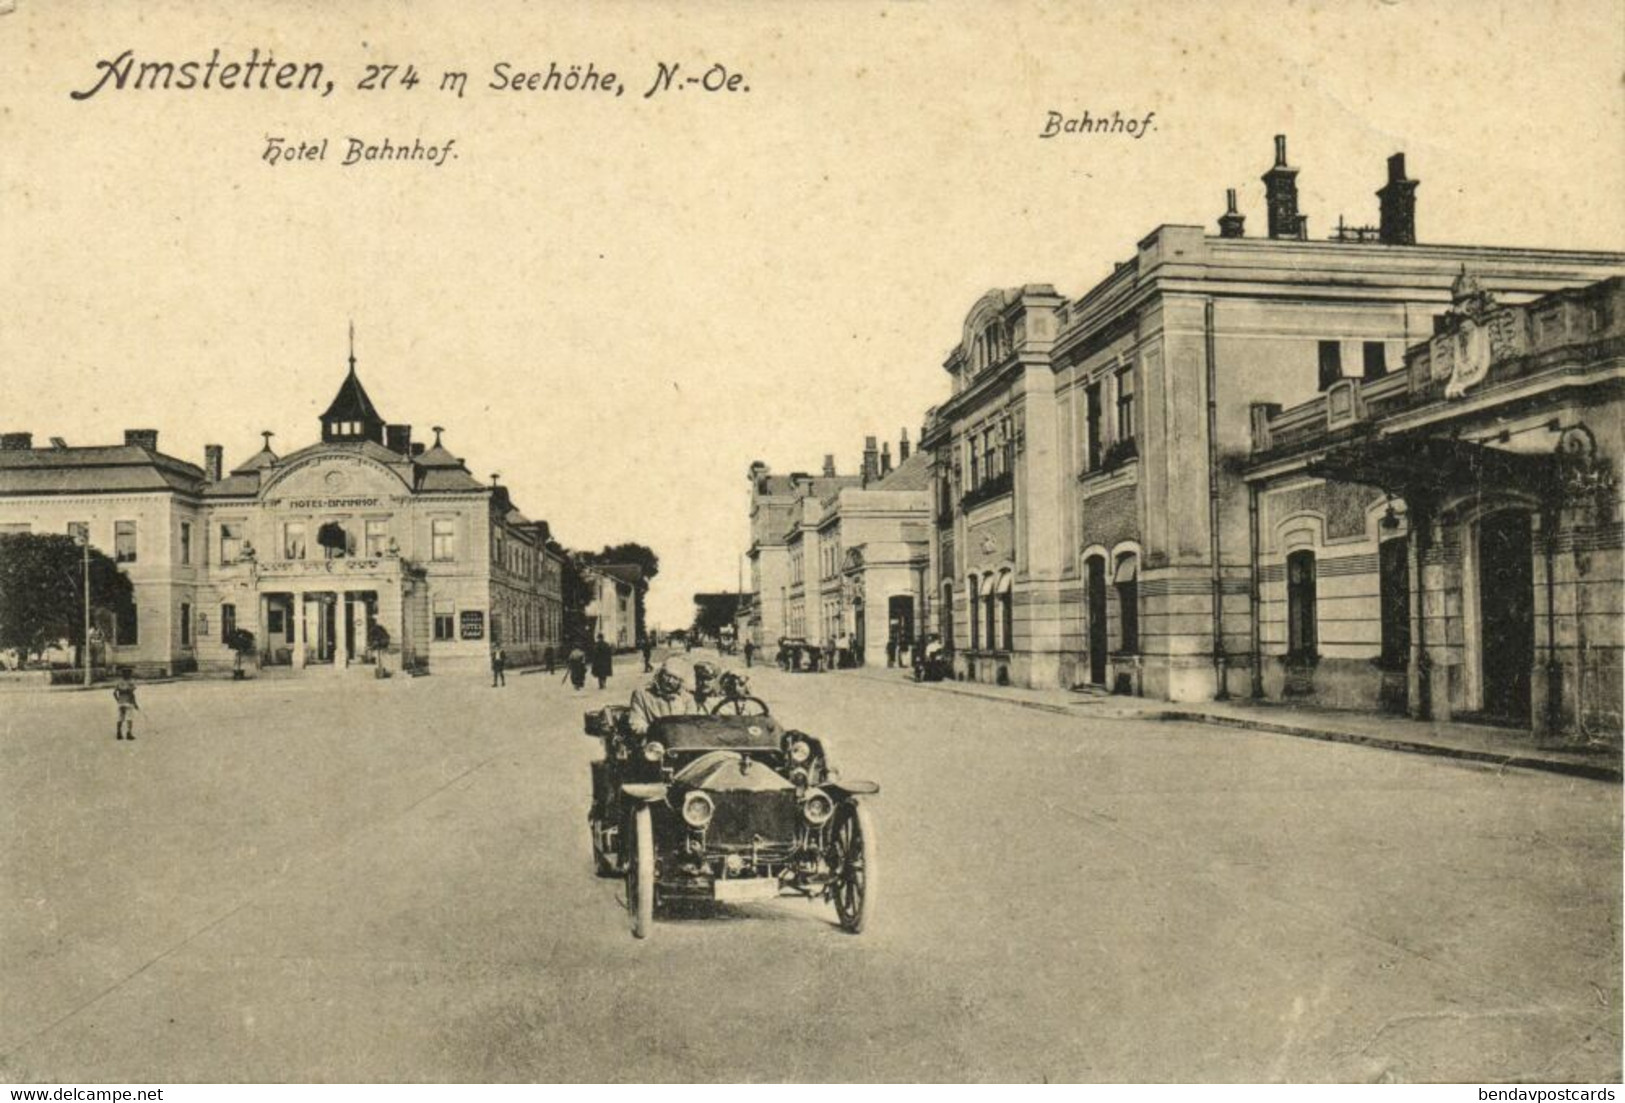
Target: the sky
(618, 302)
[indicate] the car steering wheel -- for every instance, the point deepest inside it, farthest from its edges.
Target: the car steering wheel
(740, 706)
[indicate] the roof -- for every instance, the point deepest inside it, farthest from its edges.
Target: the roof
(818, 485)
(117, 467)
(352, 402)
(263, 458)
(913, 473)
(626, 572)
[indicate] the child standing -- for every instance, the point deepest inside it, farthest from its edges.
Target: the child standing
(124, 694)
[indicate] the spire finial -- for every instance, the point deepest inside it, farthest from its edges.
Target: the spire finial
(352, 344)
(437, 431)
(266, 435)
(495, 475)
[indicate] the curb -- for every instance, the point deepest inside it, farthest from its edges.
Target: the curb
(1588, 770)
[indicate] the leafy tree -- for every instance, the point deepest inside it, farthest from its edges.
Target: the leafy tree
(714, 612)
(42, 590)
(241, 641)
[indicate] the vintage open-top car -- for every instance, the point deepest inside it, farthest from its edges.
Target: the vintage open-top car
(727, 808)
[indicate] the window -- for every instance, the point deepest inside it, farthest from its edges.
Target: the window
(1376, 360)
(186, 543)
(1331, 363)
(186, 625)
(1007, 612)
(990, 611)
(231, 542)
(948, 614)
(1092, 418)
(443, 540)
(293, 540)
(1395, 595)
(1127, 581)
(1125, 404)
(975, 462)
(444, 627)
(377, 538)
(975, 593)
(274, 622)
(124, 541)
(80, 531)
(1300, 604)
(127, 628)
(228, 622)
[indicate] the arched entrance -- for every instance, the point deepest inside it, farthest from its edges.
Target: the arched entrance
(1095, 587)
(1506, 614)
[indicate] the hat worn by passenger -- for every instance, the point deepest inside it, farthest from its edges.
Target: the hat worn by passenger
(678, 669)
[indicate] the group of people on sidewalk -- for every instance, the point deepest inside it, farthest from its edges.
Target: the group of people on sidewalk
(597, 657)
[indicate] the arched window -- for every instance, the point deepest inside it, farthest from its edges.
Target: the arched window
(1300, 604)
(975, 612)
(1007, 611)
(990, 611)
(1127, 581)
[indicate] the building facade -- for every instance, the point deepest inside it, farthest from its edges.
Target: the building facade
(1091, 517)
(613, 608)
(1444, 541)
(308, 551)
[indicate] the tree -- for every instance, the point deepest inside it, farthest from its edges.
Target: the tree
(714, 612)
(241, 641)
(42, 590)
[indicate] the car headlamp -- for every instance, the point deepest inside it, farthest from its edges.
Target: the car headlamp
(800, 752)
(698, 808)
(654, 750)
(818, 807)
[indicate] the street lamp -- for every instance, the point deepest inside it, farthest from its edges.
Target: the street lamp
(83, 540)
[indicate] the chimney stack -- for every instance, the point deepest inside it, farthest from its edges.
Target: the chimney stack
(903, 448)
(142, 438)
(16, 442)
(1230, 222)
(885, 458)
(871, 460)
(398, 438)
(214, 461)
(1281, 197)
(417, 448)
(1398, 199)
(829, 465)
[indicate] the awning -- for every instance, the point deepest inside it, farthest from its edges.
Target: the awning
(1434, 468)
(1004, 582)
(1128, 569)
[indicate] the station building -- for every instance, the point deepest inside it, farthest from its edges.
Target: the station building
(1091, 516)
(306, 550)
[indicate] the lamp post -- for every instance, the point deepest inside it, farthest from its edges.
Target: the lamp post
(83, 540)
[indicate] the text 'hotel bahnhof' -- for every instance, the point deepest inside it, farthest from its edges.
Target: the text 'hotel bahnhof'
(1365, 472)
(312, 551)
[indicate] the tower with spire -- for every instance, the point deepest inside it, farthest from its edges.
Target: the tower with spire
(351, 416)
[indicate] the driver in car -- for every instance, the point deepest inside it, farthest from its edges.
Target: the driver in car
(670, 693)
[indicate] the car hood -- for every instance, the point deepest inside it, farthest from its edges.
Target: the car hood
(730, 771)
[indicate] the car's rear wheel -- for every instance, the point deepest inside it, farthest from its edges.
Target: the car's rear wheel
(852, 868)
(640, 873)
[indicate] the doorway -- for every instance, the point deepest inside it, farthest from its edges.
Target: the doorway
(1506, 614)
(1095, 585)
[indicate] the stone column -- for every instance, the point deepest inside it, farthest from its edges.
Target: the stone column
(299, 629)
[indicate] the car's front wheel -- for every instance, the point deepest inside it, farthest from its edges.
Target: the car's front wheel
(852, 868)
(640, 873)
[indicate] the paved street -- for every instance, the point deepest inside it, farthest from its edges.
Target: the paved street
(352, 880)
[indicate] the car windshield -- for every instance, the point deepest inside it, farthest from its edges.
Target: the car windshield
(683, 733)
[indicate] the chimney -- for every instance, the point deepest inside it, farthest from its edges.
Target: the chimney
(214, 461)
(1230, 222)
(829, 465)
(398, 438)
(902, 448)
(1281, 197)
(142, 438)
(871, 460)
(1398, 199)
(885, 458)
(16, 442)
(417, 448)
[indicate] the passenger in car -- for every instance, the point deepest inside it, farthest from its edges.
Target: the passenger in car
(669, 693)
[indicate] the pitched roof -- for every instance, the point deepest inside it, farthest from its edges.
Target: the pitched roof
(913, 473)
(352, 402)
(98, 467)
(626, 572)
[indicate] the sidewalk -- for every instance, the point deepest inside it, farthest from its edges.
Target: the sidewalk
(1472, 742)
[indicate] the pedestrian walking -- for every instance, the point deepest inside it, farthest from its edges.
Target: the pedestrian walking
(124, 694)
(549, 658)
(499, 666)
(648, 654)
(891, 652)
(750, 652)
(603, 661)
(576, 667)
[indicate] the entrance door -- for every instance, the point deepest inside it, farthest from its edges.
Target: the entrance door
(900, 616)
(1095, 581)
(1506, 606)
